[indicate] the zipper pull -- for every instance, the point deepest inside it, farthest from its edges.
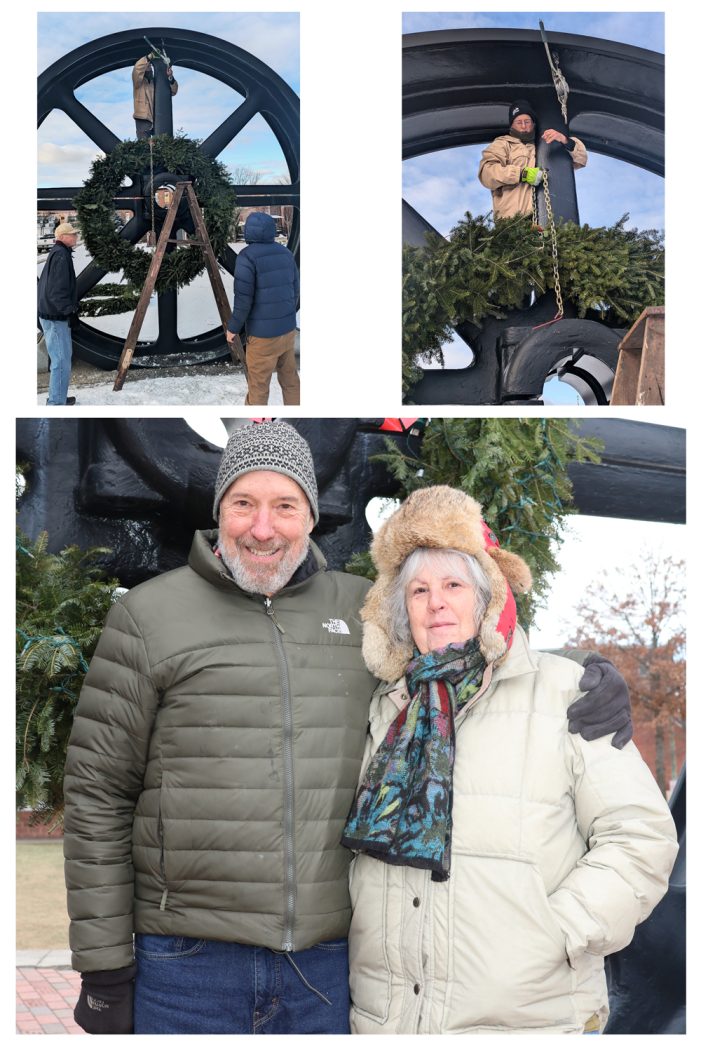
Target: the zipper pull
(271, 613)
(164, 897)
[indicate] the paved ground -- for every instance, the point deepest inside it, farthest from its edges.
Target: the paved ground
(47, 990)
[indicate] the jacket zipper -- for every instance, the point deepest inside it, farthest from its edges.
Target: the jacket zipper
(288, 784)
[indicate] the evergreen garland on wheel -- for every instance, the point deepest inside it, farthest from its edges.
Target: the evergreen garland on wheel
(96, 215)
(488, 268)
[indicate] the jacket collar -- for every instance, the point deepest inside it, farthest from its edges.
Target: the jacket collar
(204, 562)
(518, 662)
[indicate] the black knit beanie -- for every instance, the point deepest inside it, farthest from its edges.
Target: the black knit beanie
(518, 108)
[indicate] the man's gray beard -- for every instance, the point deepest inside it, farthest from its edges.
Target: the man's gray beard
(524, 136)
(263, 581)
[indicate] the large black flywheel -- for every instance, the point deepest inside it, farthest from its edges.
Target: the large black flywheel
(264, 93)
(457, 87)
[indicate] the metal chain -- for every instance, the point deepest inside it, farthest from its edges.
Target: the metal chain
(153, 197)
(554, 239)
(553, 245)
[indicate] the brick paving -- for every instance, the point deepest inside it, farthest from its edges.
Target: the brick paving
(45, 1000)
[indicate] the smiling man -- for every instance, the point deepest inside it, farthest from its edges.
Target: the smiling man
(212, 763)
(264, 524)
(213, 760)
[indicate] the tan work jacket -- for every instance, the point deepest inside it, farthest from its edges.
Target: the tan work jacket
(144, 91)
(500, 171)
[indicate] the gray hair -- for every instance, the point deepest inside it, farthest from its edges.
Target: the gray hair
(463, 566)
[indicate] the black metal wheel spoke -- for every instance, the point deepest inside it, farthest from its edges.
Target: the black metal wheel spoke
(167, 322)
(228, 259)
(91, 274)
(230, 128)
(89, 123)
(89, 277)
(264, 93)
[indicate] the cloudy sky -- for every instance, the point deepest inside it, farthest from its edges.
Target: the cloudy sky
(65, 153)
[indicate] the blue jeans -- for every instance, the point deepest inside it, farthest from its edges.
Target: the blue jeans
(198, 986)
(59, 345)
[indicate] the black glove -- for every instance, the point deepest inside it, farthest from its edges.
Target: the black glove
(74, 320)
(106, 1002)
(606, 705)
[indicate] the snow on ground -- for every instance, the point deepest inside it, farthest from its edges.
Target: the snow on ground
(170, 390)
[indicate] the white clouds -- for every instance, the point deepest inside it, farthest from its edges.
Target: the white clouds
(52, 153)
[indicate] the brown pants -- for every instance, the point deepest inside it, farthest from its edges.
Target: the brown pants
(264, 356)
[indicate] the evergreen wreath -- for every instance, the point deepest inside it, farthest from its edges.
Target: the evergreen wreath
(487, 268)
(96, 216)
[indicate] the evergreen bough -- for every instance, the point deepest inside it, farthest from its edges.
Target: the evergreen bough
(62, 602)
(96, 215)
(516, 469)
(487, 268)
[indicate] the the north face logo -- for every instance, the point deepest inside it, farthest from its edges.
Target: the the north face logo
(336, 627)
(96, 1004)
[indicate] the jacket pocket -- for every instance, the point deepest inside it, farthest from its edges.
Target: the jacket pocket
(508, 962)
(550, 920)
(367, 939)
(167, 947)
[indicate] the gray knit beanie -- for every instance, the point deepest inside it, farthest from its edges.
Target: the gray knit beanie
(271, 446)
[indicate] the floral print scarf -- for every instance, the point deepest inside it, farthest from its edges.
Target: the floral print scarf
(402, 810)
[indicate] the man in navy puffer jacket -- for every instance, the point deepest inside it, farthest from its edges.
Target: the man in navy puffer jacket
(266, 290)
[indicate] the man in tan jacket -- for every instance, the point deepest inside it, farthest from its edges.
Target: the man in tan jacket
(142, 77)
(508, 165)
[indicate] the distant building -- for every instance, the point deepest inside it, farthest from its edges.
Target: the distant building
(281, 223)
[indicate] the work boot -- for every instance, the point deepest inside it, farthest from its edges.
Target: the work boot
(70, 400)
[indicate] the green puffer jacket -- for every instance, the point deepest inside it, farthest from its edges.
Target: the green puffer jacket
(212, 763)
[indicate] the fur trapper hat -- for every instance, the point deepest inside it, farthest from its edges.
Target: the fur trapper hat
(439, 517)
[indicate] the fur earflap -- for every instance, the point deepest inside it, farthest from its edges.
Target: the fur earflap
(439, 517)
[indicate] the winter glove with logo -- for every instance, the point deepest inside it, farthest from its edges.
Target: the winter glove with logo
(106, 1002)
(605, 707)
(532, 176)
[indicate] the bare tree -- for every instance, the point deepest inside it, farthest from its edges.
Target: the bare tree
(638, 623)
(242, 175)
(286, 211)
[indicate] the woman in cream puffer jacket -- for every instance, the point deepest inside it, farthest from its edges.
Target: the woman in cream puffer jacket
(558, 846)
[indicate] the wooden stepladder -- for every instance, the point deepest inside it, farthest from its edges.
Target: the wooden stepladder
(200, 241)
(640, 378)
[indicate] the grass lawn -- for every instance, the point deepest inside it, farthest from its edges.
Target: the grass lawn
(42, 920)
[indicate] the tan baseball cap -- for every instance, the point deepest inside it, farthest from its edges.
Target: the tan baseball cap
(65, 228)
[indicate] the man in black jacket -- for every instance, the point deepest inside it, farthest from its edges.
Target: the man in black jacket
(58, 304)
